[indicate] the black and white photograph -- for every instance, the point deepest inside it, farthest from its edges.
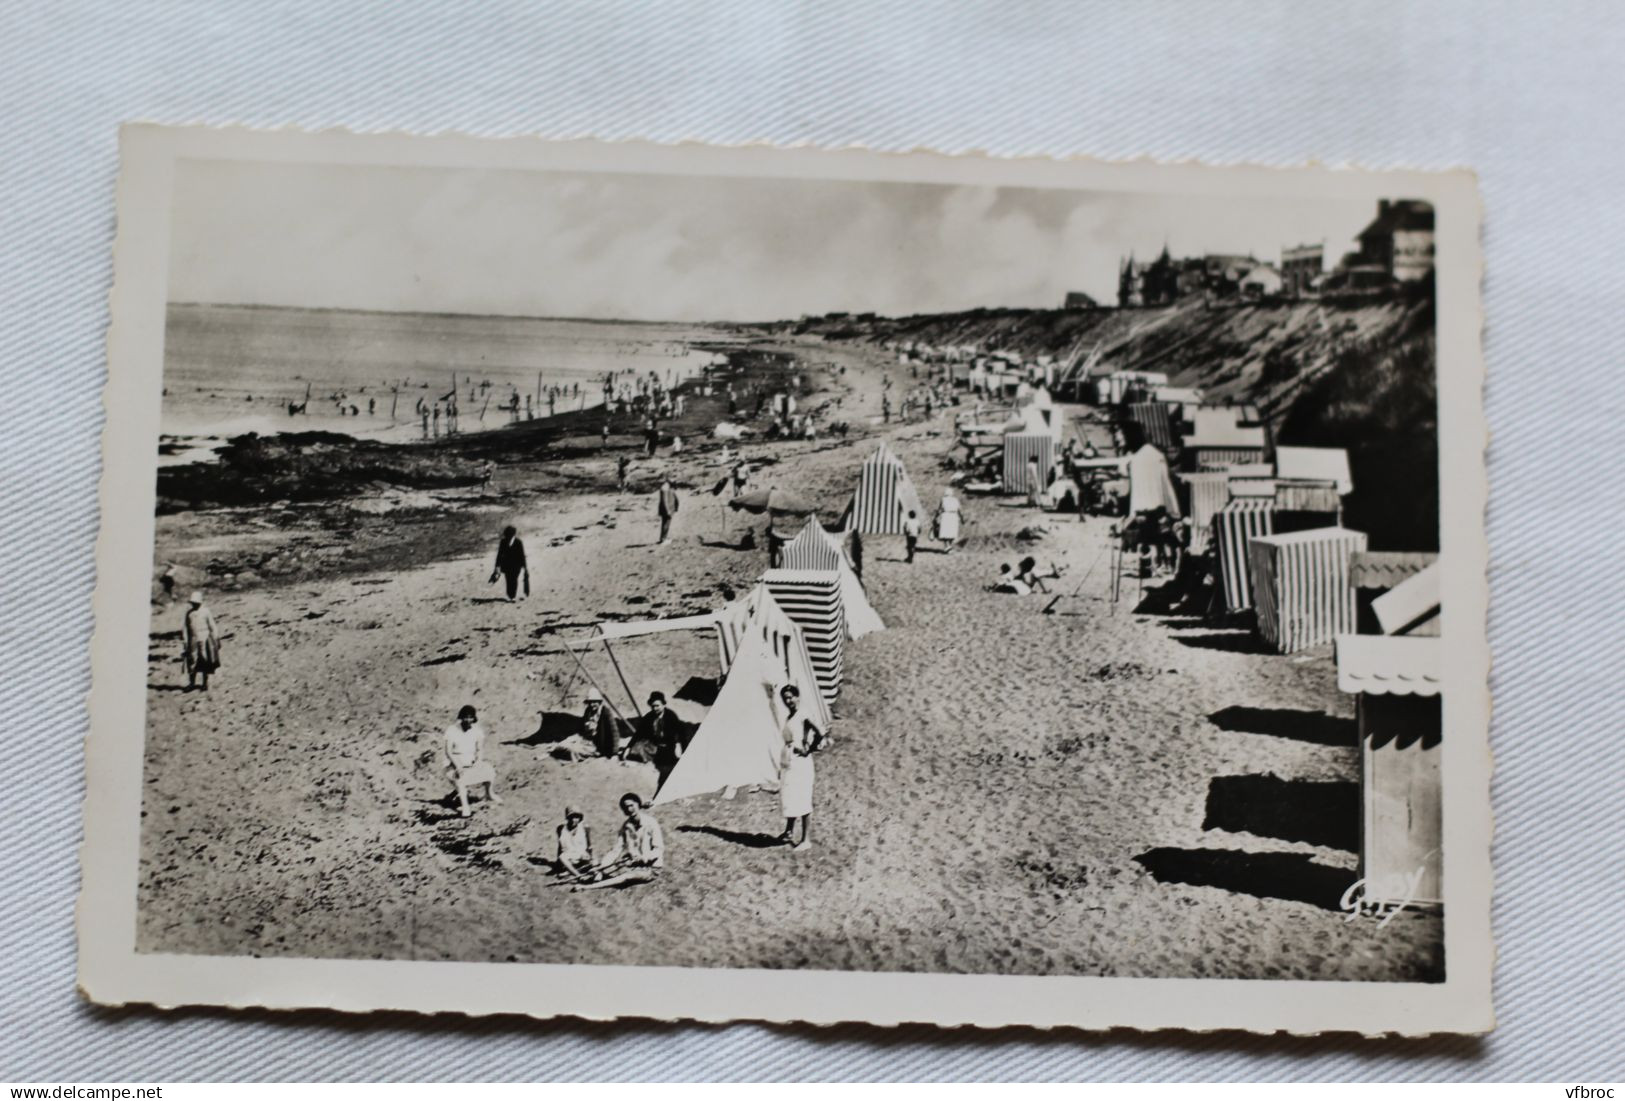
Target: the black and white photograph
(639, 568)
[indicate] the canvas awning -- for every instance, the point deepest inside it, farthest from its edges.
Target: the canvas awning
(1385, 569)
(1409, 604)
(656, 626)
(1315, 464)
(1387, 665)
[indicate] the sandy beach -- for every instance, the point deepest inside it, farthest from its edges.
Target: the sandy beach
(1092, 791)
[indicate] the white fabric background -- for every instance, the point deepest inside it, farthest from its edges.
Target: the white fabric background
(1528, 94)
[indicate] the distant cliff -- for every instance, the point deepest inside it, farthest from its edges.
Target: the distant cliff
(1356, 373)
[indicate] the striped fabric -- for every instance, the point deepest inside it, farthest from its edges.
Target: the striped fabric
(1208, 493)
(812, 600)
(1308, 497)
(1158, 427)
(1219, 458)
(1018, 448)
(812, 549)
(884, 496)
(784, 638)
(1234, 527)
(1303, 587)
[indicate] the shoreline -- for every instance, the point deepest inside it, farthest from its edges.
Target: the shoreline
(395, 505)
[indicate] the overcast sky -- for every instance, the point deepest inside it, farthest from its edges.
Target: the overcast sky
(684, 248)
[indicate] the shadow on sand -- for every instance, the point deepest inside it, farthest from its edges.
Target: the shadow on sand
(1314, 727)
(700, 690)
(554, 727)
(1293, 877)
(1316, 812)
(736, 837)
(1231, 642)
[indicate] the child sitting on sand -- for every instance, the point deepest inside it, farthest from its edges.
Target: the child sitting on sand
(575, 844)
(639, 853)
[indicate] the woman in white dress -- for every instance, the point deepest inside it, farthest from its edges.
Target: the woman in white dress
(801, 739)
(947, 520)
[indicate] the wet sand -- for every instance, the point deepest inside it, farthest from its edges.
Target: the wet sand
(1093, 791)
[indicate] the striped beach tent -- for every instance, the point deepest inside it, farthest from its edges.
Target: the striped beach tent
(1234, 527)
(1018, 448)
(813, 548)
(1208, 492)
(1302, 586)
(884, 496)
(812, 600)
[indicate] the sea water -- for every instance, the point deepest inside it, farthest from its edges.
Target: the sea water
(229, 370)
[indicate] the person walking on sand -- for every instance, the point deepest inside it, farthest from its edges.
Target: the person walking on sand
(510, 563)
(666, 505)
(574, 854)
(621, 465)
(166, 581)
(466, 763)
(603, 431)
(200, 642)
(487, 471)
(1035, 483)
(947, 521)
(741, 476)
(802, 737)
(911, 535)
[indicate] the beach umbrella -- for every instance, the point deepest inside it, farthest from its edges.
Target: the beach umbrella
(773, 499)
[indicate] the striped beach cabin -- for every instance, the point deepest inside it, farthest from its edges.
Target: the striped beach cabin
(1236, 525)
(1303, 587)
(884, 496)
(812, 600)
(1208, 492)
(1018, 448)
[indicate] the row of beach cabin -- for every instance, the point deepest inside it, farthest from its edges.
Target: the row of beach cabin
(1271, 518)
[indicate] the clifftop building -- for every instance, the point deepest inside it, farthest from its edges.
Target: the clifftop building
(1166, 279)
(1301, 265)
(1400, 239)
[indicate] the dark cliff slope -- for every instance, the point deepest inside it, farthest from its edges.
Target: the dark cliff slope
(1357, 374)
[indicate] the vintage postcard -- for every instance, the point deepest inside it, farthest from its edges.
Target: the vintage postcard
(620, 580)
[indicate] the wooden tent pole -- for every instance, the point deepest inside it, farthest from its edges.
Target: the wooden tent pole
(629, 693)
(588, 674)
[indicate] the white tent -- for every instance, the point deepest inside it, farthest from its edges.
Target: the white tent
(738, 742)
(1149, 485)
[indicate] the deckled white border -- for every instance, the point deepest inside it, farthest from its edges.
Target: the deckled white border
(111, 972)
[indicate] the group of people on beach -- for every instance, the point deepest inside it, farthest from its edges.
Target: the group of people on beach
(659, 737)
(640, 849)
